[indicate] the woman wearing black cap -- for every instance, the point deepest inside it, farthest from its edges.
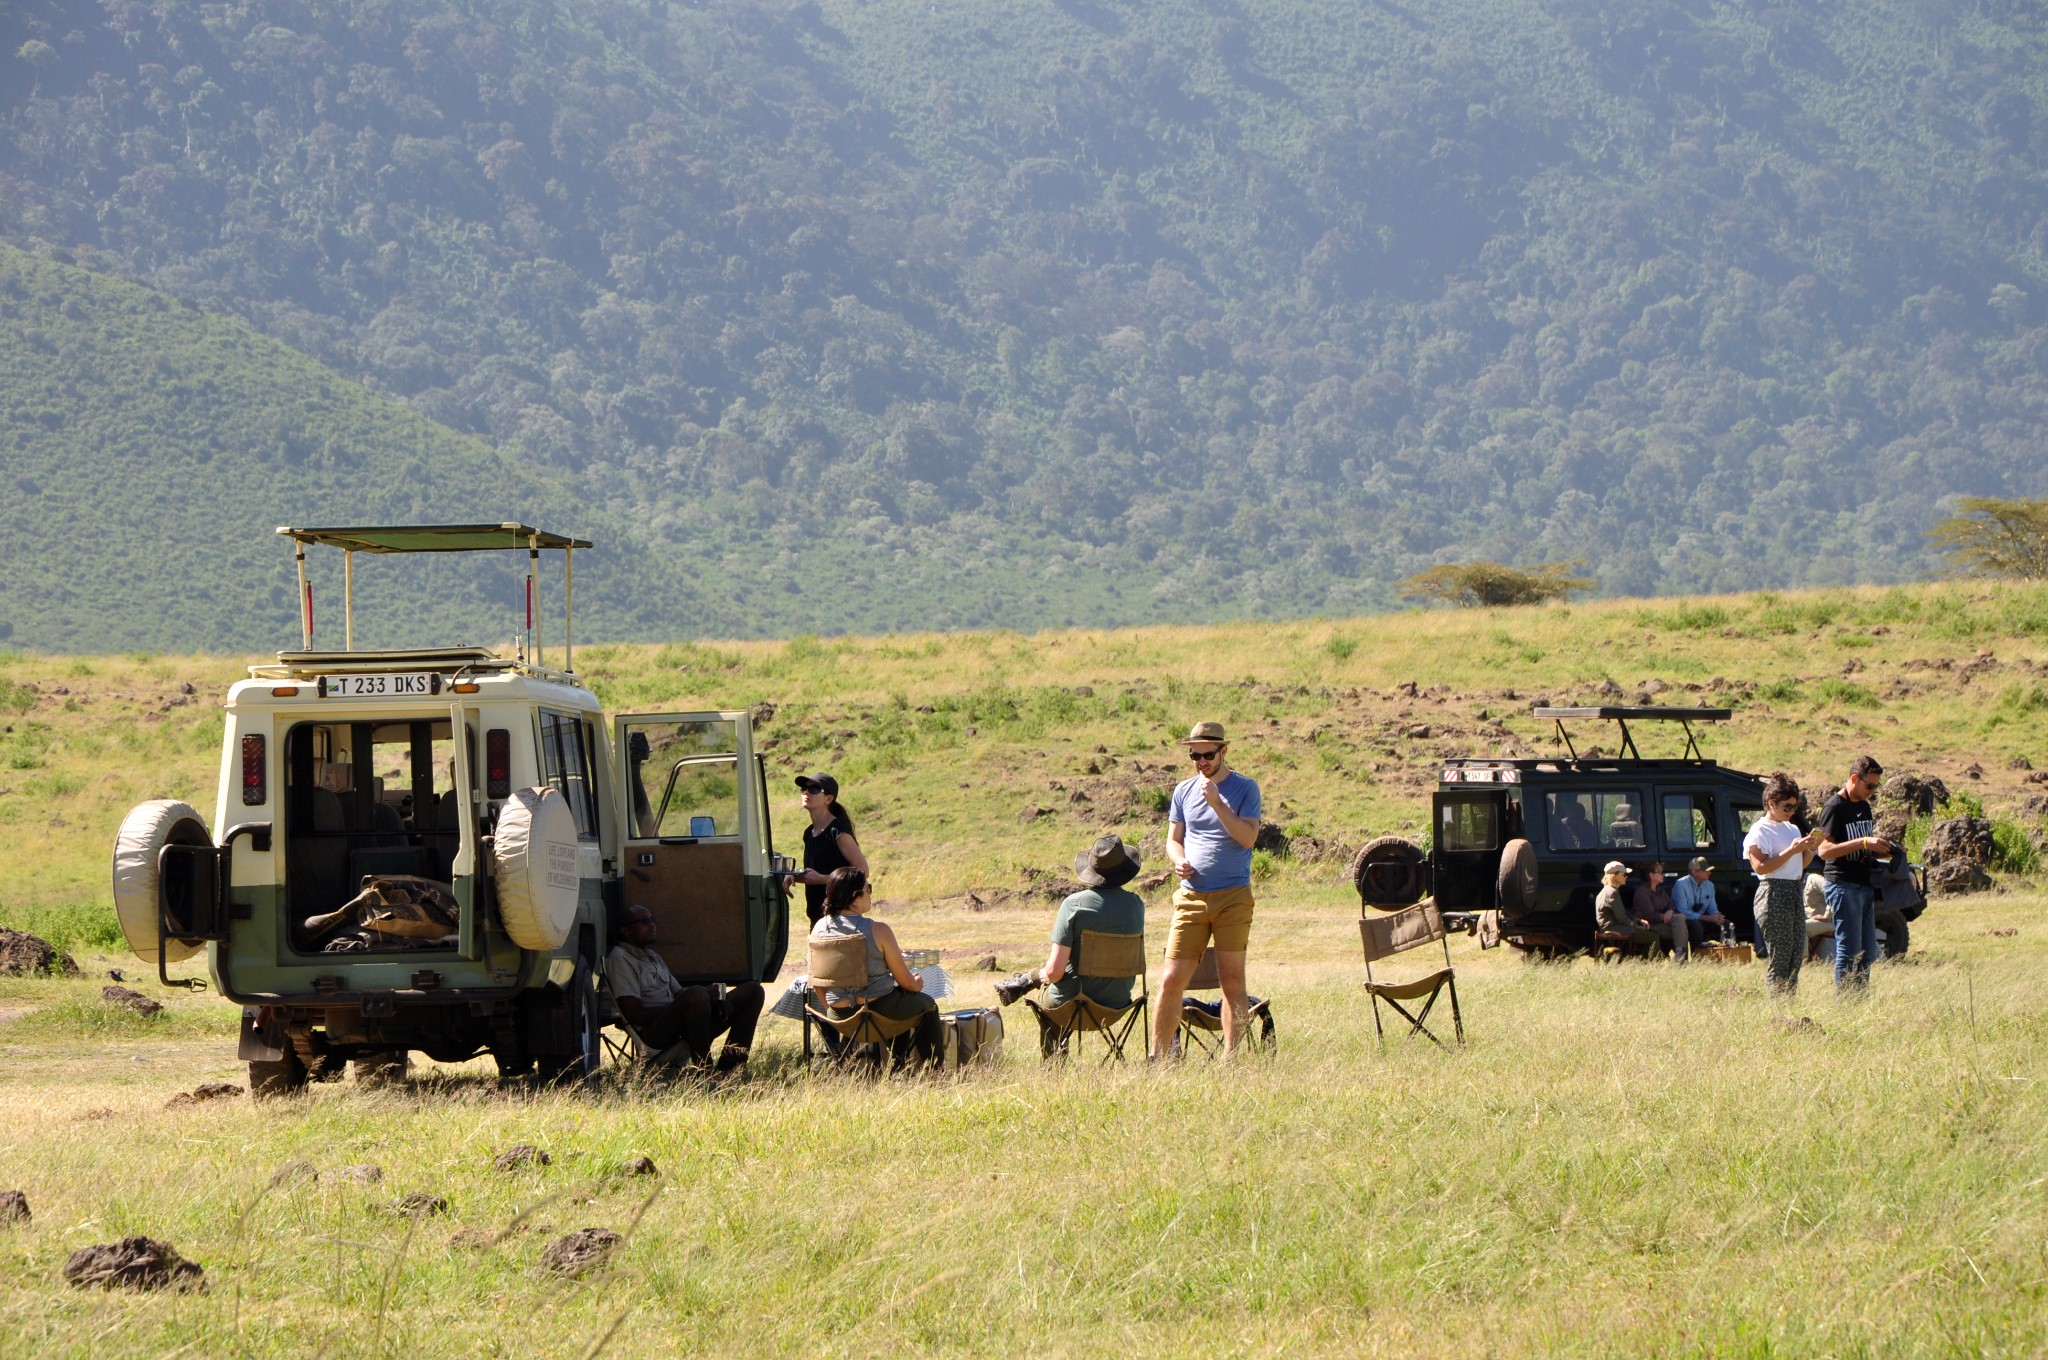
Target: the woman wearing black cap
(828, 840)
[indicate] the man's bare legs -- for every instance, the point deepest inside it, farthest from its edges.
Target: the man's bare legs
(1230, 973)
(1173, 983)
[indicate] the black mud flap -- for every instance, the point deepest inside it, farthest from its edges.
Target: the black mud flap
(261, 1042)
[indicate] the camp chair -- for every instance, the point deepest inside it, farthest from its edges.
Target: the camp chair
(842, 965)
(1101, 955)
(1203, 1027)
(628, 1048)
(1386, 936)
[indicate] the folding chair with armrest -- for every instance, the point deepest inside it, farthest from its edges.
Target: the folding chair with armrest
(630, 1048)
(1110, 957)
(842, 965)
(1396, 933)
(1202, 1027)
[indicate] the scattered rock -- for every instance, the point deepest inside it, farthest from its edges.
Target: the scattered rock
(2037, 777)
(421, 1204)
(212, 1090)
(185, 687)
(1609, 688)
(1271, 838)
(1919, 796)
(292, 1172)
(133, 1000)
(579, 1251)
(762, 713)
(639, 1166)
(985, 964)
(1960, 838)
(522, 1154)
(132, 1263)
(1973, 771)
(116, 975)
(1957, 877)
(1420, 732)
(98, 1112)
(2019, 763)
(1652, 686)
(2003, 932)
(1033, 812)
(1092, 767)
(1408, 687)
(14, 1207)
(1799, 1024)
(1084, 691)
(22, 954)
(363, 1173)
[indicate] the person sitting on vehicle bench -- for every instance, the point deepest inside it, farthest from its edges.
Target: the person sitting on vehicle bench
(1571, 828)
(1103, 904)
(662, 1010)
(1610, 911)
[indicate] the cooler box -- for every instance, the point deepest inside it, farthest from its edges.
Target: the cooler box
(971, 1037)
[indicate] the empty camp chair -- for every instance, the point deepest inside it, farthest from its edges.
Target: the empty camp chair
(1386, 936)
(1101, 955)
(1201, 1022)
(841, 964)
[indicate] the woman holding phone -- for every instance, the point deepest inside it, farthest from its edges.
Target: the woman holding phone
(1779, 854)
(828, 840)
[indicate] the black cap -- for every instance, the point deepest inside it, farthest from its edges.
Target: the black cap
(823, 783)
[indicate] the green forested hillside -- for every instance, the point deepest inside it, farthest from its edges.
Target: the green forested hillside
(897, 313)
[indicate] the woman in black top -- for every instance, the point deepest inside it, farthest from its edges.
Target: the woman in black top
(828, 840)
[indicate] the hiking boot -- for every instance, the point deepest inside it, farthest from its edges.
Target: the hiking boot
(1012, 988)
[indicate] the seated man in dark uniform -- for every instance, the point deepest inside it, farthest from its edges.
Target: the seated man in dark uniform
(662, 1010)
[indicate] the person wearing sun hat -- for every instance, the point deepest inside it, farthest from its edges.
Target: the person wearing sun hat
(1103, 904)
(1211, 825)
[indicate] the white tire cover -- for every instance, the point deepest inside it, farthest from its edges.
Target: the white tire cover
(144, 832)
(533, 861)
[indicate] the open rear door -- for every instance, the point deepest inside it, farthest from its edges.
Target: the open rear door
(696, 849)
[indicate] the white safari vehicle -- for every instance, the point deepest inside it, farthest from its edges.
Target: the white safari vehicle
(426, 849)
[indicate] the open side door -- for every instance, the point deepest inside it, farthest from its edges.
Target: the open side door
(1469, 828)
(694, 842)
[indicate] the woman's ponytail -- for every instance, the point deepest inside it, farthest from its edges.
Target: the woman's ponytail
(844, 818)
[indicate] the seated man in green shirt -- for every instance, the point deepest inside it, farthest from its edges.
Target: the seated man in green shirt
(1104, 904)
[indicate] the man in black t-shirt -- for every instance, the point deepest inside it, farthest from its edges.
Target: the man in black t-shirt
(1851, 853)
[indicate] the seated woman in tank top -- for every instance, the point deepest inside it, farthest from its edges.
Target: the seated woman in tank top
(892, 989)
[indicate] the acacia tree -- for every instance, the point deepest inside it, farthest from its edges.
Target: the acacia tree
(1476, 585)
(1991, 537)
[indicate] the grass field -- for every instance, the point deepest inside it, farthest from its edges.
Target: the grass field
(1623, 1160)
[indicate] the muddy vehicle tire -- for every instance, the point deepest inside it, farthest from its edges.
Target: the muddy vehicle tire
(1517, 881)
(1389, 873)
(579, 1049)
(286, 1076)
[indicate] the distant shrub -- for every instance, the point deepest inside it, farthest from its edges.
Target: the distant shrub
(1843, 694)
(1780, 692)
(2021, 700)
(1156, 799)
(1341, 648)
(2013, 850)
(1264, 863)
(1483, 585)
(1685, 618)
(1991, 537)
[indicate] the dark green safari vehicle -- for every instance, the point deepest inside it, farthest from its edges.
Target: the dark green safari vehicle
(1527, 838)
(426, 849)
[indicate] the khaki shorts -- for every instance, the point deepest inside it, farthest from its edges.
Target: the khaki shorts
(1223, 917)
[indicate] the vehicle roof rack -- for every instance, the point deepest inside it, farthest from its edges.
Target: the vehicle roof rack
(1623, 714)
(440, 538)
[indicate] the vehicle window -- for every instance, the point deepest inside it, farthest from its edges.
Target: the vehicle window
(683, 778)
(1469, 826)
(1595, 820)
(369, 778)
(1688, 821)
(565, 763)
(1747, 815)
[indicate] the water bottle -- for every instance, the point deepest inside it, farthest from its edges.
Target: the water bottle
(1727, 932)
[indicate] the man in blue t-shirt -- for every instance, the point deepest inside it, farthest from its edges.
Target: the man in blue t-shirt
(1213, 820)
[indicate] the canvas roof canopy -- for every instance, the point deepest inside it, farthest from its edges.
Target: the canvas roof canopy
(402, 538)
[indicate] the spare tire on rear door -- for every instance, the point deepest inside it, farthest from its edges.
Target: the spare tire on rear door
(533, 862)
(1389, 873)
(1517, 879)
(144, 833)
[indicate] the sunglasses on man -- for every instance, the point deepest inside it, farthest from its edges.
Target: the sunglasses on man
(1210, 754)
